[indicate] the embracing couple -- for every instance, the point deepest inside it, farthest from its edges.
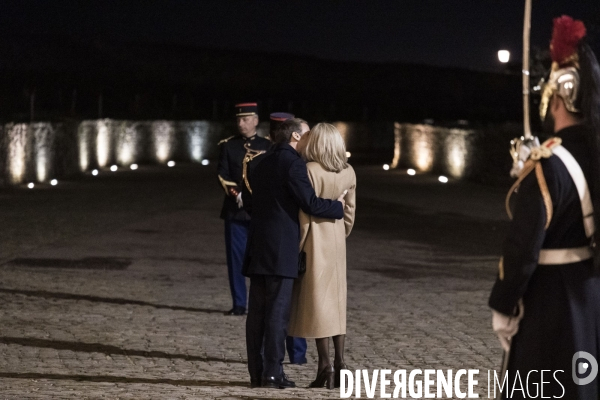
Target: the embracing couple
(303, 195)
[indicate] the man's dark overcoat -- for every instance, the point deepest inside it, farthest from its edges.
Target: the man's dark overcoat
(280, 188)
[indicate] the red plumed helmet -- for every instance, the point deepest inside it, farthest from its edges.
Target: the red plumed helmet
(566, 36)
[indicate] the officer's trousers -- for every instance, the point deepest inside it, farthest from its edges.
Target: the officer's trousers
(266, 326)
(296, 348)
(236, 236)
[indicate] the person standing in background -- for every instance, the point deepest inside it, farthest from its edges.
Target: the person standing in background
(237, 220)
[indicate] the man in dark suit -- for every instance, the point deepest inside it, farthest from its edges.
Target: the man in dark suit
(296, 346)
(237, 220)
(280, 188)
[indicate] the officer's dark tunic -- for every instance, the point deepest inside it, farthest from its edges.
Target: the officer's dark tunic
(230, 170)
(562, 302)
(237, 220)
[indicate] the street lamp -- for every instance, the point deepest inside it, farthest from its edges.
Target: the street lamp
(503, 56)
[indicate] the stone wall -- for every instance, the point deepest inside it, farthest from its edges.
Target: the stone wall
(39, 152)
(480, 154)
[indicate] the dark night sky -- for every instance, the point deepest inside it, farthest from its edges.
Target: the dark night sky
(439, 32)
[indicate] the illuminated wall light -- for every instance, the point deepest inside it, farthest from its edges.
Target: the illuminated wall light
(386, 167)
(31, 185)
(348, 154)
(125, 153)
(197, 134)
(503, 56)
(83, 139)
(443, 179)
(54, 182)
(457, 152)
(343, 128)
(128, 143)
(113, 168)
(171, 163)
(397, 144)
(17, 137)
(43, 135)
(205, 162)
(163, 133)
(104, 142)
(95, 172)
(133, 166)
(411, 171)
(422, 149)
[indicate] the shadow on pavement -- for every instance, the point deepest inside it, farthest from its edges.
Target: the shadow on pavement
(415, 271)
(96, 299)
(102, 263)
(107, 349)
(459, 233)
(120, 379)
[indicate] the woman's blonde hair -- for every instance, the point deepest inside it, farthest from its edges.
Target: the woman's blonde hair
(324, 144)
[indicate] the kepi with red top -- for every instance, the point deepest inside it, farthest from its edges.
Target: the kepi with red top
(245, 109)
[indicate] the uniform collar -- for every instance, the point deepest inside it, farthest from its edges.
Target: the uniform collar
(249, 138)
(574, 133)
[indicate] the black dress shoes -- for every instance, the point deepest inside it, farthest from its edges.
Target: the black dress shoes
(237, 310)
(275, 382)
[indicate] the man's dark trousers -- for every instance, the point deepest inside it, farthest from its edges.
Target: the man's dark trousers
(236, 237)
(268, 317)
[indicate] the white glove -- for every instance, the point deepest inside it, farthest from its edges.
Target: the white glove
(238, 200)
(506, 327)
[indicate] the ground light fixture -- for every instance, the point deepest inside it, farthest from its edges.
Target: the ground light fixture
(95, 172)
(113, 168)
(386, 167)
(443, 179)
(205, 162)
(171, 163)
(411, 171)
(31, 185)
(54, 182)
(133, 166)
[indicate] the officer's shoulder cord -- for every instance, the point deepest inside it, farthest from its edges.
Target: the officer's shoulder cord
(251, 154)
(534, 163)
(225, 140)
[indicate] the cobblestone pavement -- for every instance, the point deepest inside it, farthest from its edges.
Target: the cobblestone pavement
(114, 287)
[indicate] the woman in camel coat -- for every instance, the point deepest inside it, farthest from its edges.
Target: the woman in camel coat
(319, 296)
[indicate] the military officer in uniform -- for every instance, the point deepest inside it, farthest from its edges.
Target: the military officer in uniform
(237, 221)
(295, 346)
(546, 299)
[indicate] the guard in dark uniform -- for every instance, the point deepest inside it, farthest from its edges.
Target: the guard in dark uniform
(237, 221)
(296, 347)
(546, 299)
